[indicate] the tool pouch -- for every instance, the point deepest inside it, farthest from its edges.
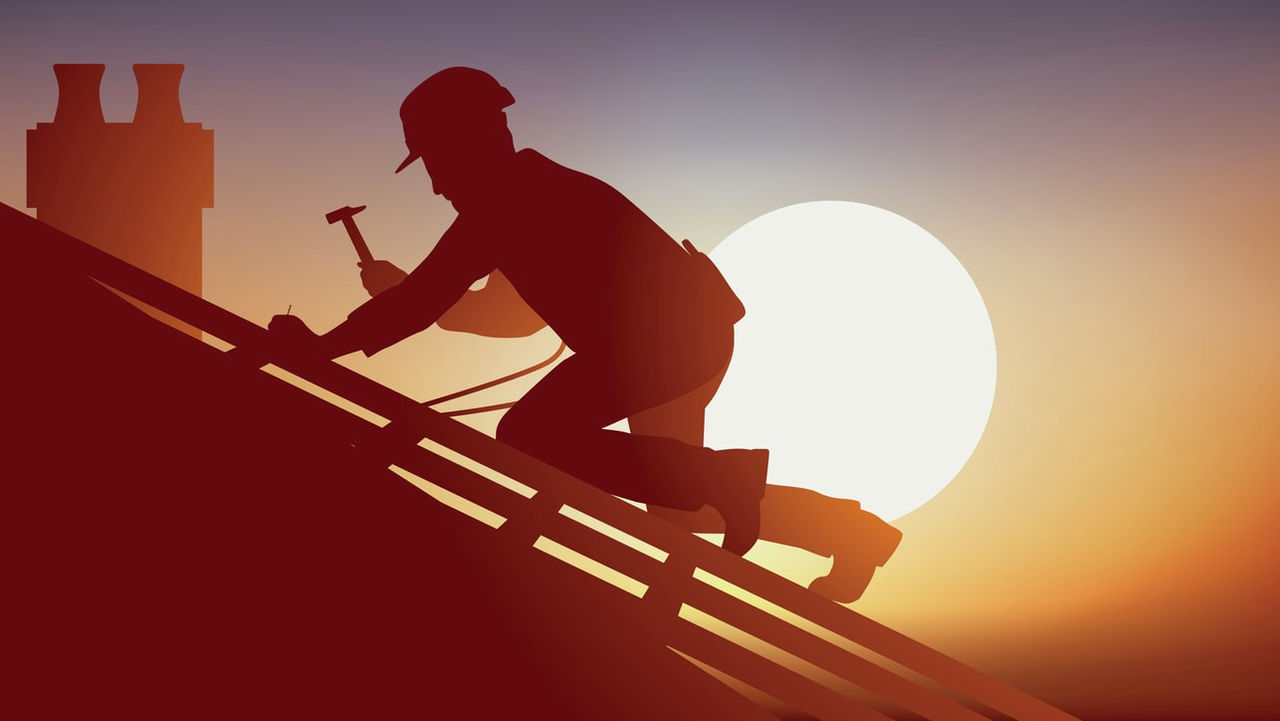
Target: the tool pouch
(713, 290)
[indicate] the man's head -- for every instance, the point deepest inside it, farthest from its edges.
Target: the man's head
(454, 121)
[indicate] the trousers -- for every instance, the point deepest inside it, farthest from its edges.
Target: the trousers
(562, 420)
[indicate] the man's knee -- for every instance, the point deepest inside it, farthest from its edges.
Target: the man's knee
(525, 431)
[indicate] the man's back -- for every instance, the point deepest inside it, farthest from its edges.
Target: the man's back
(598, 270)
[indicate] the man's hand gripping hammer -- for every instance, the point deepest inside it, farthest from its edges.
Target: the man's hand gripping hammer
(375, 275)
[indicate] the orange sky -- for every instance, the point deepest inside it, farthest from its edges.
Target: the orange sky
(1110, 183)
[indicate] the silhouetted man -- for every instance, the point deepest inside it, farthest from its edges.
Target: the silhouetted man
(650, 324)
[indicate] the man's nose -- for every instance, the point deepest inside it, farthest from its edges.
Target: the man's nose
(436, 186)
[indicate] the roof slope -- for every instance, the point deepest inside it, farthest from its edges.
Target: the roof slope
(186, 538)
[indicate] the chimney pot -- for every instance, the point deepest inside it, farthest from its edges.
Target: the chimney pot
(158, 102)
(78, 88)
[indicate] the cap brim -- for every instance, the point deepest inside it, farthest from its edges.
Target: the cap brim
(408, 160)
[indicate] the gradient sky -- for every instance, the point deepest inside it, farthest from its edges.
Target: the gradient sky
(1109, 174)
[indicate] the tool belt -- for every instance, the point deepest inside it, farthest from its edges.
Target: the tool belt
(714, 292)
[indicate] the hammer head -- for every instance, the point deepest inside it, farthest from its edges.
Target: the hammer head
(342, 213)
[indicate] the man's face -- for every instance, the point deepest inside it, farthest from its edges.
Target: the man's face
(448, 167)
(459, 161)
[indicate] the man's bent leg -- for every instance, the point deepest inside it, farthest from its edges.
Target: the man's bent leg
(857, 541)
(682, 419)
(561, 421)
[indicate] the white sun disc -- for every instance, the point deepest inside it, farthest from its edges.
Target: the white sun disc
(866, 362)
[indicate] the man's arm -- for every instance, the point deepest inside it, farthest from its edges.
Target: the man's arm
(494, 311)
(413, 305)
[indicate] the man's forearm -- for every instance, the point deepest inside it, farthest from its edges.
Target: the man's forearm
(343, 339)
(362, 326)
(380, 322)
(391, 316)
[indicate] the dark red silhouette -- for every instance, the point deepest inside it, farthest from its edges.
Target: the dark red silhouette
(650, 324)
(184, 536)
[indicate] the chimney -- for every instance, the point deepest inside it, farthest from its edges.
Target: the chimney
(135, 190)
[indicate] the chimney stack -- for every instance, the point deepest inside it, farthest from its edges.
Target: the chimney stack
(135, 190)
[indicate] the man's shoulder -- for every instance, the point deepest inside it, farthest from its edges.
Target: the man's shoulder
(544, 175)
(536, 166)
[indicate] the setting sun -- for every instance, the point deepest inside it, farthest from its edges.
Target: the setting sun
(866, 361)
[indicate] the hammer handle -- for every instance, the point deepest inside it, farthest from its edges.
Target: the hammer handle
(362, 248)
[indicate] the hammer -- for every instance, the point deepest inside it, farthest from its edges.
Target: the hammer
(347, 216)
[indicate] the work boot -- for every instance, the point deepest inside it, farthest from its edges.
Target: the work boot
(866, 543)
(736, 497)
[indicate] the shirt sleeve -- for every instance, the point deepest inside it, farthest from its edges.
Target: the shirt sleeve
(462, 256)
